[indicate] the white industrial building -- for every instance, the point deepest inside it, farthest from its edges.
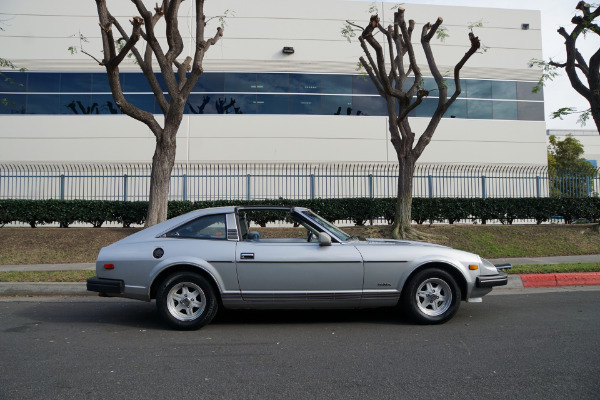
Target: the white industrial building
(305, 107)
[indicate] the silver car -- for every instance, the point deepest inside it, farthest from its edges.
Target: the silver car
(206, 259)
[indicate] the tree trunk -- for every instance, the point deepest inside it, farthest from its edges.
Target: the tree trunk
(402, 224)
(595, 110)
(162, 165)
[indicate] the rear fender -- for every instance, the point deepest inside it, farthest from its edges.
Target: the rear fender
(184, 263)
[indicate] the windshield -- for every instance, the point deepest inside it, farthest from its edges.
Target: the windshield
(340, 234)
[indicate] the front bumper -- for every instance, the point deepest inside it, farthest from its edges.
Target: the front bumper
(488, 281)
(105, 286)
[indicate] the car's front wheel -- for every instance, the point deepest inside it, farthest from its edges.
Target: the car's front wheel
(432, 296)
(186, 301)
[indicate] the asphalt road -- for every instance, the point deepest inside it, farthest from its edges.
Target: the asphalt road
(519, 346)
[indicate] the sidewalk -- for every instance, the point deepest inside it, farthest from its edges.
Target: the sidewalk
(38, 289)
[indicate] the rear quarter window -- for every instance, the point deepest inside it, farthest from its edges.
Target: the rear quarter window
(211, 227)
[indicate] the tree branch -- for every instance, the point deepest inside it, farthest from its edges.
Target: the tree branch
(442, 108)
(146, 66)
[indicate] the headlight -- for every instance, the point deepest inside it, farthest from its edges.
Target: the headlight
(488, 267)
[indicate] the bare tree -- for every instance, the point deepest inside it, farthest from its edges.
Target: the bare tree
(179, 79)
(390, 84)
(584, 76)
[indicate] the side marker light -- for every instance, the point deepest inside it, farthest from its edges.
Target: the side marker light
(473, 267)
(109, 266)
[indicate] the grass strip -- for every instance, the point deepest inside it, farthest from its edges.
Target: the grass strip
(554, 268)
(46, 276)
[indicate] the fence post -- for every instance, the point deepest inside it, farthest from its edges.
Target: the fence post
(430, 184)
(538, 186)
(184, 189)
(312, 186)
(371, 189)
(483, 188)
(62, 186)
(248, 187)
(125, 187)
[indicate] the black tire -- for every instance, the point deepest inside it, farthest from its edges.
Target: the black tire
(431, 296)
(186, 301)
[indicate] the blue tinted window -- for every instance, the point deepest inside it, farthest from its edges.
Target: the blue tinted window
(426, 108)
(504, 90)
(451, 85)
(13, 81)
(305, 83)
(79, 104)
(305, 104)
(100, 83)
(505, 110)
(479, 109)
(210, 82)
(236, 104)
(240, 82)
(369, 105)
(336, 105)
(529, 111)
(336, 84)
(479, 89)
(42, 104)
(362, 84)
(272, 103)
(458, 109)
(15, 104)
(525, 91)
(43, 82)
(75, 83)
(408, 82)
(273, 83)
(202, 104)
(105, 103)
(142, 101)
(134, 82)
(430, 85)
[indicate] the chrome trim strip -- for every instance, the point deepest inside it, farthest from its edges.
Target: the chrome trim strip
(135, 287)
(264, 296)
(381, 294)
(299, 262)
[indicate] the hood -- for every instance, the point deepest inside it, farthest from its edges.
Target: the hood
(371, 241)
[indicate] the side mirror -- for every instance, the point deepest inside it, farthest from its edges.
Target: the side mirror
(324, 239)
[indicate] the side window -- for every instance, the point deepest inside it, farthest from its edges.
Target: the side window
(276, 226)
(208, 227)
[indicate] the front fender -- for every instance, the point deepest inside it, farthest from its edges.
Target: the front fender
(459, 269)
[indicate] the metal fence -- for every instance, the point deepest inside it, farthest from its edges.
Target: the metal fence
(194, 182)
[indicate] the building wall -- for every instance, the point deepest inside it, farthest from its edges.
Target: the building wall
(589, 138)
(39, 35)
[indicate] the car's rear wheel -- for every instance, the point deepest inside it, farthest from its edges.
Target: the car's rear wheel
(432, 296)
(186, 301)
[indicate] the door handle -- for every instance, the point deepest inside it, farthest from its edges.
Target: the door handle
(247, 256)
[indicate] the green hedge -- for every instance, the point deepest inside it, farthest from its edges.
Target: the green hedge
(358, 210)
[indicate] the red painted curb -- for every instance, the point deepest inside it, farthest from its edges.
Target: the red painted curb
(562, 279)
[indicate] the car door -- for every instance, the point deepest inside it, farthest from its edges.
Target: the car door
(299, 274)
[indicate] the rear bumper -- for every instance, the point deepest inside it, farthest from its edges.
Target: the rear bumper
(488, 281)
(106, 286)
